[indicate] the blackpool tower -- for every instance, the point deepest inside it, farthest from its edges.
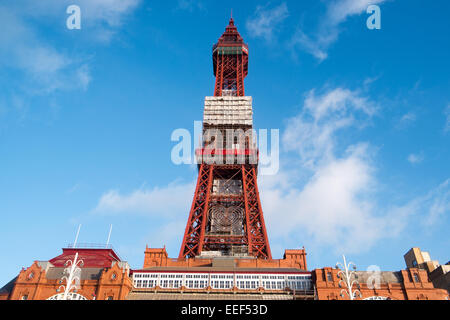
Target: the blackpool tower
(226, 218)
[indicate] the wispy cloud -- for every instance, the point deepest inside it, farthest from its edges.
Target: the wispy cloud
(21, 48)
(166, 207)
(415, 158)
(334, 204)
(190, 5)
(36, 63)
(406, 120)
(436, 204)
(102, 17)
(432, 207)
(171, 201)
(312, 133)
(328, 29)
(265, 21)
(447, 119)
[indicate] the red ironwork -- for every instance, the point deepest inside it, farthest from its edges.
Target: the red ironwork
(235, 152)
(230, 62)
(256, 228)
(226, 212)
(195, 228)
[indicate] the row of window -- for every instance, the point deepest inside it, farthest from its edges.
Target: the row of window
(222, 281)
(220, 276)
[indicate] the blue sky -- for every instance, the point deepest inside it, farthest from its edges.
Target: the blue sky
(86, 118)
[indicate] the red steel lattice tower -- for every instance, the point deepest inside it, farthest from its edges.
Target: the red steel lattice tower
(226, 217)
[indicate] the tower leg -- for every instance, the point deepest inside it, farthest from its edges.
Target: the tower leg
(256, 228)
(195, 229)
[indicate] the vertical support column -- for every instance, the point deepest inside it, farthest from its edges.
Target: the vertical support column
(205, 209)
(257, 235)
(194, 232)
(265, 239)
(247, 211)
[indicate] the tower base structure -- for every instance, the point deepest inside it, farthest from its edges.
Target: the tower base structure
(222, 277)
(104, 276)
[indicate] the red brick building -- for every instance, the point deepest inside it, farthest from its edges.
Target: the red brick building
(104, 276)
(408, 284)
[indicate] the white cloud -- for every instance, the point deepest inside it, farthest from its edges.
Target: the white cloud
(41, 65)
(190, 5)
(415, 158)
(447, 120)
(339, 10)
(312, 133)
(104, 17)
(22, 49)
(167, 202)
(309, 45)
(166, 207)
(109, 13)
(333, 205)
(332, 209)
(265, 21)
(431, 208)
(328, 30)
(407, 119)
(83, 76)
(436, 204)
(336, 205)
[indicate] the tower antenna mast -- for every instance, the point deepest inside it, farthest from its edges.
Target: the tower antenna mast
(109, 236)
(76, 237)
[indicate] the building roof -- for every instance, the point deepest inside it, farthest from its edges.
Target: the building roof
(385, 276)
(86, 273)
(7, 288)
(92, 258)
(231, 36)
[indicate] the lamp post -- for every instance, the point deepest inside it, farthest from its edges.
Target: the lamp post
(345, 276)
(72, 275)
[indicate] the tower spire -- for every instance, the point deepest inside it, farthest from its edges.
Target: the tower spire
(230, 62)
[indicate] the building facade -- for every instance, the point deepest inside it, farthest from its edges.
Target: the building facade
(103, 276)
(437, 273)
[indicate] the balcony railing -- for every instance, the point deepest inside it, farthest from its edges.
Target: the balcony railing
(90, 246)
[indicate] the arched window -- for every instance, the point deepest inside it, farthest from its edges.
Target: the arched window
(70, 296)
(377, 298)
